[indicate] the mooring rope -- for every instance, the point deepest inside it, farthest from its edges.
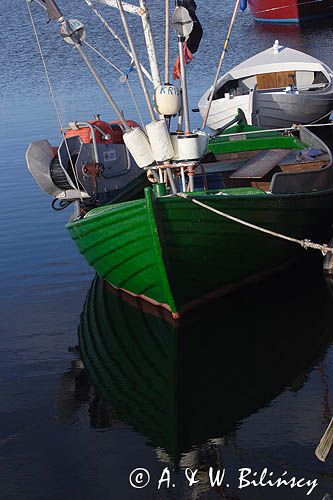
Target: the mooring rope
(306, 243)
(321, 118)
(53, 96)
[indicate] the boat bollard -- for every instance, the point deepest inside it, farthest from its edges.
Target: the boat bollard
(159, 189)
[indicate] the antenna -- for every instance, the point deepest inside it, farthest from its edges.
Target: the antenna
(183, 25)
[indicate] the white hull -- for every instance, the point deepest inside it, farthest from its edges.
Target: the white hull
(269, 110)
(276, 88)
(284, 110)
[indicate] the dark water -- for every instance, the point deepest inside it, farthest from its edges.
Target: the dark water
(246, 382)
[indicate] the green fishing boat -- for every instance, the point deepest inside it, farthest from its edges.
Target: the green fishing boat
(212, 220)
(171, 251)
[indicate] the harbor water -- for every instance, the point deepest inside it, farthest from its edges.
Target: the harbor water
(95, 387)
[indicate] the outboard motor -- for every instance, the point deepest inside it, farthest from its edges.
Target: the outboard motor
(87, 165)
(44, 164)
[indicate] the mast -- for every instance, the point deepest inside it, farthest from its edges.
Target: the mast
(145, 17)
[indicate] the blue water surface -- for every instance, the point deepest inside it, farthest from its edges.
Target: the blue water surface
(55, 440)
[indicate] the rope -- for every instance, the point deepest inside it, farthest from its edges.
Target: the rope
(306, 243)
(225, 48)
(124, 78)
(53, 96)
(321, 118)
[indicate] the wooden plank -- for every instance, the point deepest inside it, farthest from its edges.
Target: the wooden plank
(237, 155)
(265, 186)
(276, 80)
(302, 167)
(263, 163)
(285, 78)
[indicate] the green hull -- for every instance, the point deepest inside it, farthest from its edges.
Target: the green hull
(174, 253)
(253, 141)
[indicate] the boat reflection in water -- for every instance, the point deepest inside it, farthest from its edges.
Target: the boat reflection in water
(186, 386)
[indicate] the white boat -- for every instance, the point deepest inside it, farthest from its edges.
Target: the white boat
(276, 88)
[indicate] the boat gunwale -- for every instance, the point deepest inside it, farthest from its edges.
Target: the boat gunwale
(207, 195)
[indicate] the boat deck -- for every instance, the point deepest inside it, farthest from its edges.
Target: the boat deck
(251, 160)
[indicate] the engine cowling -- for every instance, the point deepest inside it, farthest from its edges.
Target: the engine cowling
(89, 162)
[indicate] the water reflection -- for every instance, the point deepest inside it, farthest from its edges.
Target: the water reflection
(283, 32)
(75, 392)
(184, 384)
(312, 38)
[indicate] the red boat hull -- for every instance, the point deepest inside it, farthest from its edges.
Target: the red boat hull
(290, 11)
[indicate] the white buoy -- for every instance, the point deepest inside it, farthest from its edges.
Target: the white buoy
(160, 141)
(188, 147)
(174, 141)
(167, 100)
(138, 145)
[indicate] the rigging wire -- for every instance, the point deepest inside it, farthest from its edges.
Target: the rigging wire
(136, 60)
(167, 40)
(103, 57)
(116, 36)
(218, 71)
(130, 89)
(124, 78)
(53, 96)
